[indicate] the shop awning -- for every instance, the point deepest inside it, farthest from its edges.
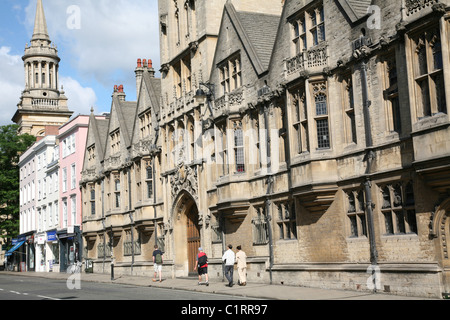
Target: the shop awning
(17, 246)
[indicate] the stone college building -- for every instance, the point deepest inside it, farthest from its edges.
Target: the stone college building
(313, 133)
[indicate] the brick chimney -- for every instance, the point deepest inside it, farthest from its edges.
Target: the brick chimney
(118, 91)
(139, 72)
(150, 69)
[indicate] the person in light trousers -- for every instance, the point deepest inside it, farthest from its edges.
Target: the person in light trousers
(241, 259)
(229, 259)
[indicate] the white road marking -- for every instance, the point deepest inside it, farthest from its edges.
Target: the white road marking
(48, 298)
(26, 294)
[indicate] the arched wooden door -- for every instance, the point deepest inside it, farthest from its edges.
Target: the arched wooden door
(193, 237)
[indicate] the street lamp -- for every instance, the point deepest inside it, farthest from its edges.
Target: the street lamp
(201, 96)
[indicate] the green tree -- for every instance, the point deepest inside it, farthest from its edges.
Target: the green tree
(11, 147)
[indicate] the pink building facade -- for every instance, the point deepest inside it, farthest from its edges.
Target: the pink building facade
(72, 146)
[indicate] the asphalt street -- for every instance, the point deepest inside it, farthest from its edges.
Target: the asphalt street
(27, 288)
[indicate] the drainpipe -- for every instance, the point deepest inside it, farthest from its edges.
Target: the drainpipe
(369, 157)
(154, 200)
(154, 186)
(131, 219)
(269, 190)
(268, 219)
(222, 223)
(104, 225)
(111, 242)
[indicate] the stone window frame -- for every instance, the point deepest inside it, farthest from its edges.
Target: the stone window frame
(115, 141)
(182, 75)
(356, 213)
(256, 125)
(177, 19)
(145, 123)
(300, 121)
(260, 231)
(189, 10)
(177, 79)
(319, 91)
(117, 201)
(190, 128)
(91, 153)
(103, 246)
(238, 146)
(425, 80)
(161, 240)
(398, 208)
(186, 70)
(171, 142)
(287, 220)
(391, 91)
(127, 243)
(149, 181)
(348, 107)
(308, 28)
(217, 229)
(92, 199)
(230, 73)
(317, 29)
(299, 35)
(222, 147)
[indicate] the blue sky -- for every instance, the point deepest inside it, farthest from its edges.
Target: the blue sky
(98, 42)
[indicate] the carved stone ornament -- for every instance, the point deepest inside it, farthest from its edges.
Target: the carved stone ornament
(185, 178)
(204, 219)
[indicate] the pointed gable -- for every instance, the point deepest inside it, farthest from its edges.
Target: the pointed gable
(257, 33)
(148, 102)
(95, 143)
(355, 9)
(261, 30)
(120, 126)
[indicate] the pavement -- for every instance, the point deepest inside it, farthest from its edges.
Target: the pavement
(251, 290)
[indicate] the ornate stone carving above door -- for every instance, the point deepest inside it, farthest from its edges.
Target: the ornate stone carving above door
(185, 178)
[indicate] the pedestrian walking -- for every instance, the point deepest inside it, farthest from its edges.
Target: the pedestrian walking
(202, 266)
(157, 263)
(229, 258)
(241, 259)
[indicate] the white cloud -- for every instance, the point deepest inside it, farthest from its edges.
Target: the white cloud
(110, 37)
(81, 99)
(11, 83)
(99, 53)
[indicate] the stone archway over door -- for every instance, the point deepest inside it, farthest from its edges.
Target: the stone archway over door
(193, 237)
(186, 234)
(440, 231)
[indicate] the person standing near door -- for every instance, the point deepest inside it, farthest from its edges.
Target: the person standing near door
(228, 258)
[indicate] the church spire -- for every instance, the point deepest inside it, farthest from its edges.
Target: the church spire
(40, 25)
(42, 104)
